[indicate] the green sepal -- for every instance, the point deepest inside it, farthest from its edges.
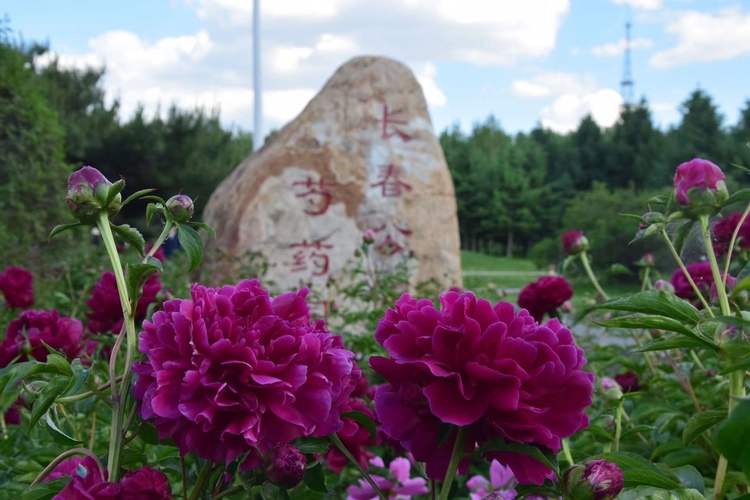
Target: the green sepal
(131, 236)
(115, 189)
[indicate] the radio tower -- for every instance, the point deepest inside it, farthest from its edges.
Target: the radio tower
(626, 84)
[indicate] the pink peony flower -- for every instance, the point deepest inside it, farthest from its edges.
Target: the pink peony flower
(574, 242)
(723, 231)
(403, 488)
(698, 174)
(106, 311)
(702, 276)
(355, 437)
(65, 468)
(145, 484)
(17, 285)
(24, 336)
(490, 368)
(544, 295)
(232, 369)
(501, 482)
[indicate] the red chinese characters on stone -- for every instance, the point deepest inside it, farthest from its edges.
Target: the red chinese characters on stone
(310, 256)
(317, 195)
(389, 245)
(390, 183)
(391, 125)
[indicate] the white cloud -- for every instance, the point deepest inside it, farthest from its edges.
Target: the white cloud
(547, 84)
(640, 4)
(705, 37)
(432, 93)
(566, 111)
(617, 48)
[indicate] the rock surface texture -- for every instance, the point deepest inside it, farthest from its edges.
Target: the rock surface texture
(362, 155)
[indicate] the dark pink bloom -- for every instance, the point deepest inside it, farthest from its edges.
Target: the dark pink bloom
(574, 242)
(628, 381)
(723, 231)
(106, 311)
(89, 485)
(402, 487)
(145, 484)
(490, 368)
(702, 276)
(545, 295)
(286, 466)
(67, 467)
(17, 285)
(355, 437)
(594, 480)
(232, 369)
(24, 336)
(696, 174)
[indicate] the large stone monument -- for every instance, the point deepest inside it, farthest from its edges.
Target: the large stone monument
(362, 155)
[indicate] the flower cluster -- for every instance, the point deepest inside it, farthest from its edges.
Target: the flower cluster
(106, 310)
(491, 369)
(24, 337)
(545, 295)
(17, 286)
(88, 482)
(232, 369)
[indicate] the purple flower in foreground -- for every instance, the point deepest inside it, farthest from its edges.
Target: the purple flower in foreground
(697, 177)
(490, 368)
(17, 286)
(232, 369)
(403, 488)
(87, 482)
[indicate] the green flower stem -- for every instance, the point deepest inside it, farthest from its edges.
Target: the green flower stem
(200, 483)
(722, 292)
(63, 456)
(736, 391)
(592, 277)
(458, 451)
(685, 272)
(618, 423)
(566, 451)
(646, 281)
(336, 440)
(163, 236)
(109, 244)
(733, 240)
(85, 395)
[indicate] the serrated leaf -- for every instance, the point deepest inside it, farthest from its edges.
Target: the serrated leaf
(131, 236)
(137, 195)
(203, 226)
(63, 227)
(44, 491)
(192, 243)
(364, 420)
(58, 435)
(655, 302)
(734, 435)
(741, 196)
(315, 478)
(47, 397)
(700, 423)
(638, 471)
(136, 276)
(654, 322)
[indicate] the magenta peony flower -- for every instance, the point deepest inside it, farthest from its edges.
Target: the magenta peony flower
(106, 311)
(65, 468)
(24, 336)
(145, 484)
(574, 242)
(723, 231)
(628, 381)
(501, 481)
(702, 276)
(286, 466)
(17, 285)
(355, 437)
(87, 483)
(403, 487)
(700, 175)
(232, 369)
(490, 368)
(544, 295)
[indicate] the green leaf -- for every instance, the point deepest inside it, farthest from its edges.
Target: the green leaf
(58, 436)
(734, 436)
(680, 233)
(315, 478)
(733, 320)
(44, 491)
(617, 269)
(136, 276)
(137, 195)
(205, 227)
(80, 376)
(365, 421)
(637, 471)
(673, 342)
(690, 478)
(741, 365)
(47, 397)
(656, 302)
(57, 363)
(651, 493)
(655, 322)
(741, 196)
(151, 209)
(742, 275)
(192, 243)
(115, 189)
(312, 445)
(153, 261)
(700, 423)
(63, 227)
(131, 236)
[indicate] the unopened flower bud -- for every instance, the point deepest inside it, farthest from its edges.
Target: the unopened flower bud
(286, 466)
(611, 389)
(648, 259)
(181, 206)
(594, 480)
(664, 286)
(628, 381)
(574, 242)
(368, 237)
(699, 182)
(88, 191)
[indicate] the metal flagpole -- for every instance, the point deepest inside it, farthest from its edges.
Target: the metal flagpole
(257, 126)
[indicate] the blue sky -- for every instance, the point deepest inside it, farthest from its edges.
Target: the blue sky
(527, 62)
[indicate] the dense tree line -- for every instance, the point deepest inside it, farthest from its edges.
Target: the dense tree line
(516, 193)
